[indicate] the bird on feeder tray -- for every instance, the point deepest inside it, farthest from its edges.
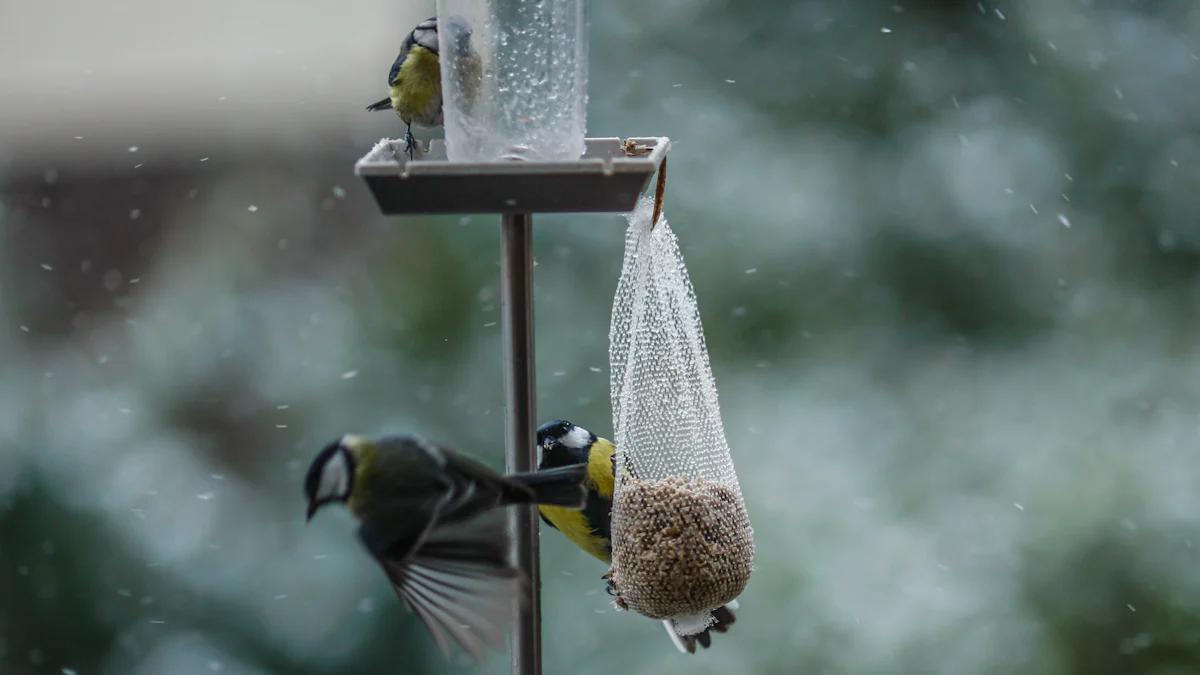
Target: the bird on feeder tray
(561, 444)
(423, 510)
(415, 80)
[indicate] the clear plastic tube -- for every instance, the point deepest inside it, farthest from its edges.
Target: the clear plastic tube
(514, 78)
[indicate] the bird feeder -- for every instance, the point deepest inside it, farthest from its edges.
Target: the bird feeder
(520, 90)
(515, 145)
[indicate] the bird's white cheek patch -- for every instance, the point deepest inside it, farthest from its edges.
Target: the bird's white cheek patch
(335, 479)
(577, 438)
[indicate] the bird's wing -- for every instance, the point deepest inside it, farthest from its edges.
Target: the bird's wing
(394, 73)
(469, 467)
(400, 494)
(602, 471)
(602, 466)
(421, 476)
(459, 583)
(396, 531)
(478, 487)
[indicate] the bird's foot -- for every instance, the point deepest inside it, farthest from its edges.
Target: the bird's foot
(609, 586)
(410, 143)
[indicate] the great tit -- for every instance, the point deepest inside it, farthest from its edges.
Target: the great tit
(415, 79)
(561, 444)
(429, 517)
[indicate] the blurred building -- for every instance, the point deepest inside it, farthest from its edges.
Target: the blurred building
(85, 82)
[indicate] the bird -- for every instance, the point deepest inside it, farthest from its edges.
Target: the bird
(415, 80)
(562, 444)
(429, 516)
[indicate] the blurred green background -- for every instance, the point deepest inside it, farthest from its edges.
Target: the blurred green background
(947, 256)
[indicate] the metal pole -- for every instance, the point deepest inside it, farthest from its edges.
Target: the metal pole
(516, 329)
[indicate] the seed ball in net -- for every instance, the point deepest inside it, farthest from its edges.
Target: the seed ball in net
(681, 547)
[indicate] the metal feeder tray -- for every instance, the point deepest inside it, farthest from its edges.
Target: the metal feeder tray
(605, 179)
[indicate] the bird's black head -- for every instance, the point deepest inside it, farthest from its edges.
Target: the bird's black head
(560, 443)
(330, 477)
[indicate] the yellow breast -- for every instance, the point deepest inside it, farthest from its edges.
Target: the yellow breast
(573, 524)
(417, 91)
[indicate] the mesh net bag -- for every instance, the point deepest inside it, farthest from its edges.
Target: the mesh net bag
(681, 537)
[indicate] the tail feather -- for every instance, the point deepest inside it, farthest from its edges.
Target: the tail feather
(384, 104)
(554, 487)
(723, 618)
(678, 641)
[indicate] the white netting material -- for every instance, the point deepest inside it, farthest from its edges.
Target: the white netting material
(682, 541)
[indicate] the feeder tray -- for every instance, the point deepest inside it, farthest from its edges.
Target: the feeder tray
(607, 179)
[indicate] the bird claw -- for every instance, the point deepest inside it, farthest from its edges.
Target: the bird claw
(409, 143)
(609, 586)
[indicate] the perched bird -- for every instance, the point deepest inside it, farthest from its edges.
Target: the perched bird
(429, 517)
(416, 80)
(561, 444)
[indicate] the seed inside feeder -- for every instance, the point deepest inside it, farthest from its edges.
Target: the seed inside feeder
(684, 546)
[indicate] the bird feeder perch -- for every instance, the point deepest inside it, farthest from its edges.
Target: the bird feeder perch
(515, 146)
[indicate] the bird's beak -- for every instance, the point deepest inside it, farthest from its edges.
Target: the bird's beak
(312, 510)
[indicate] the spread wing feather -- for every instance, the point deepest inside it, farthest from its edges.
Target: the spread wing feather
(459, 584)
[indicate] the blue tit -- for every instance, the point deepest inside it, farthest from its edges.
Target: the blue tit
(561, 444)
(429, 516)
(416, 80)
